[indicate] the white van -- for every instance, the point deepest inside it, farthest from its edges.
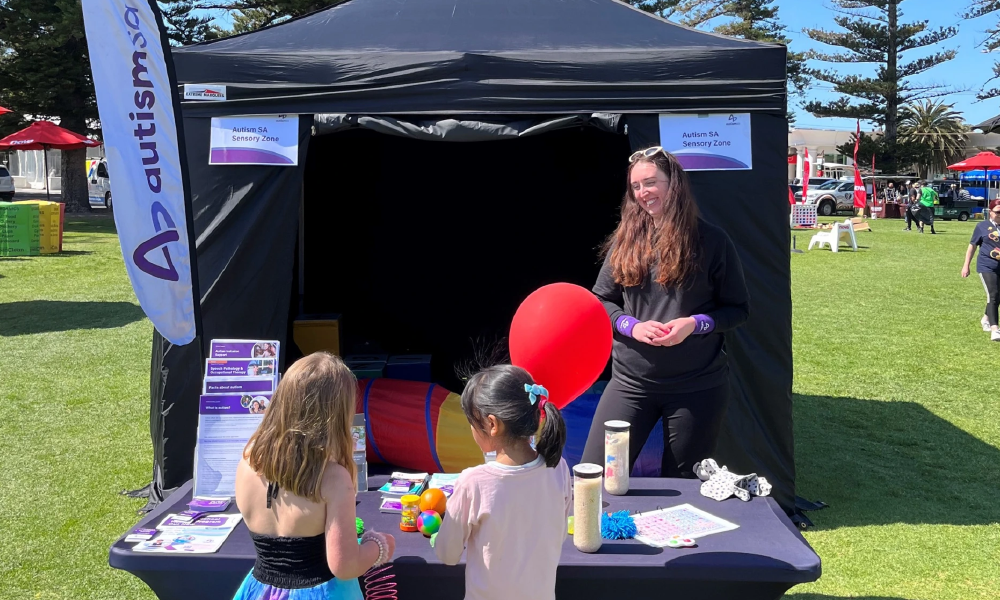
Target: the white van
(98, 183)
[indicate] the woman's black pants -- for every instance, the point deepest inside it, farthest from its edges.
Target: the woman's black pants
(691, 423)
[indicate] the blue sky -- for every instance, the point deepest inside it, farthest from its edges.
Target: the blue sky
(966, 73)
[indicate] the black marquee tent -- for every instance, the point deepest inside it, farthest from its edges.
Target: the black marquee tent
(454, 156)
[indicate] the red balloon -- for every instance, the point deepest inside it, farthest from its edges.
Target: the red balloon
(561, 334)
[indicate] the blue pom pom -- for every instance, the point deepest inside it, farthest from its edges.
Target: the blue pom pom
(618, 526)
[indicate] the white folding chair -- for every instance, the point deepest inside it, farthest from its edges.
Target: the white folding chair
(831, 237)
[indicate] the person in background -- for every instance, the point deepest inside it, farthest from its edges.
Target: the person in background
(928, 198)
(296, 486)
(672, 284)
(509, 515)
(963, 194)
(986, 237)
(909, 204)
(890, 194)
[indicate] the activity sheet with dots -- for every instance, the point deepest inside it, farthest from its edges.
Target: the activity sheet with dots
(658, 527)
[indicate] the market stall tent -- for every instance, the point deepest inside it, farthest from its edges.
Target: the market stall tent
(454, 156)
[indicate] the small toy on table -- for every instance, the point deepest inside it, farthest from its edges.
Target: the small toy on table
(408, 517)
(679, 542)
(429, 522)
(359, 525)
(433, 500)
(618, 526)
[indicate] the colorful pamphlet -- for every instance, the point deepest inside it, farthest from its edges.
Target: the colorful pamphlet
(239, 385)
(209, 504)
(444, 482)
(204, 536)
(244, 349)
(401, 484)
(139, 534)
(240, 367)
(391, 505)
(225, 424)
(189, 516)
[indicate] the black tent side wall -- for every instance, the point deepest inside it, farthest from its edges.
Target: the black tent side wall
(757, 435)
(246, 223)
(752, 207)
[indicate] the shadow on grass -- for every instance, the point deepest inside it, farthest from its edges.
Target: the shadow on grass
(877, 463)
(66, 254)
(826, 597)
(44, 316)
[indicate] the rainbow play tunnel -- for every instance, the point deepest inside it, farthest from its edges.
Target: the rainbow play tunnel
(416, 425)
(421, 426)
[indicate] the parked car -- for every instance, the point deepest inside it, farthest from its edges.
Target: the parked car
(99, 183)
(6, 184)
(832, 196)
(814, 182)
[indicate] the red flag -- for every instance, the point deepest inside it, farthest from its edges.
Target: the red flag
(805, 176)
(859, 187)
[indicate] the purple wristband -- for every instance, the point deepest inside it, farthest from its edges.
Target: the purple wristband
(703, 324)
(625, 324)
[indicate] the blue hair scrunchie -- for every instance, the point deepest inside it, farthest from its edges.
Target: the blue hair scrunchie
(534, 391)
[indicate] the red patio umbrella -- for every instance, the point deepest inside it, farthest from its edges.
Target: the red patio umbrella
(984, 161)
(4, 111)
(45, 135)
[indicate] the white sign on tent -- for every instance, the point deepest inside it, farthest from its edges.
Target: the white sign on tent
(711, 142)
(255, 140)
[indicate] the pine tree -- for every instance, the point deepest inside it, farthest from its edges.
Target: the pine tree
(660, 8)
(874, 35)
(755, 20)
(184, 27)
(45, 72)
(981, 8)
(251, 15)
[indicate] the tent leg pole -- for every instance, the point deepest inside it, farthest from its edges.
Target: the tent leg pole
(302, 250)
(45, 171)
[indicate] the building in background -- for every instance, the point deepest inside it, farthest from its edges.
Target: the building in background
(825, 160)
(26, 167)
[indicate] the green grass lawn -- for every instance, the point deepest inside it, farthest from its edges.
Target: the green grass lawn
(896, 423)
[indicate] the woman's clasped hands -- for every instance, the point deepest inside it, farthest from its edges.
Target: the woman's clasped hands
(670, 333)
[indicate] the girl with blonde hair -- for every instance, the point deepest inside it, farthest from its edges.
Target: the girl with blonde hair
(295, 487)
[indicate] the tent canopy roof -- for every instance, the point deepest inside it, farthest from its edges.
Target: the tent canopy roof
(485, 56)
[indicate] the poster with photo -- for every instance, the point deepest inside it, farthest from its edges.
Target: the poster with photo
(244, 349)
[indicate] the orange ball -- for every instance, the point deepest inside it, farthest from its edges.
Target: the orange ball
(433, 499)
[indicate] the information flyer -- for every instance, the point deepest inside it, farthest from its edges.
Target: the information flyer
(225, 424)
(244, 349)
(255, 140)
(709, 142)
(204, 536)
(238, 385)
(239, 367)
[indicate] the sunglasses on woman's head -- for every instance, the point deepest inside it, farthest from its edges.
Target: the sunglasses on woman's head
(647, 153)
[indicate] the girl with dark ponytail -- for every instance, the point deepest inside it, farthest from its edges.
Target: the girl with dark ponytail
(511, 513)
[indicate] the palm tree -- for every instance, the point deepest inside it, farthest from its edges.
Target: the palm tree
(939, 129)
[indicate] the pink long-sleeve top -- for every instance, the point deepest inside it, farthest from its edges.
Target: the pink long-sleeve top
(513, 522)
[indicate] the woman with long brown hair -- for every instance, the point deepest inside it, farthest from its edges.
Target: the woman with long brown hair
(672, 284)
(296, 487)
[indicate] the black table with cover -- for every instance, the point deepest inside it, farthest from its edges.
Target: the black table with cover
(761, 560)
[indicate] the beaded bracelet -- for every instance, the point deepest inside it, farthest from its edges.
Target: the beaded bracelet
(374, 536)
